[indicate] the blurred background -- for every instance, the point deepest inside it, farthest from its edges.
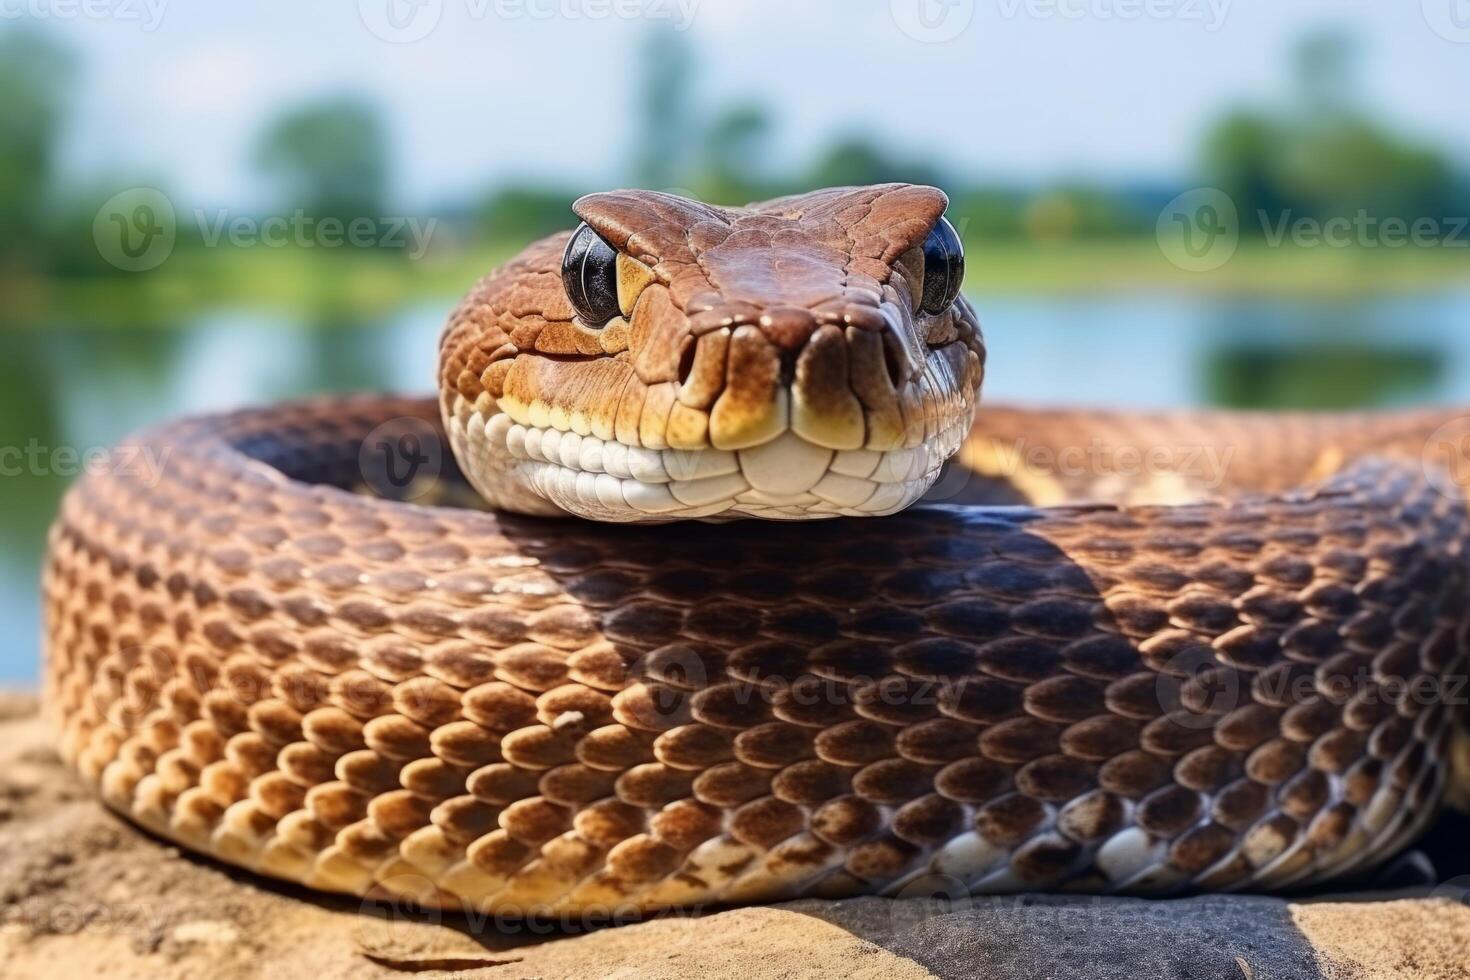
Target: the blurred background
(1164, 202)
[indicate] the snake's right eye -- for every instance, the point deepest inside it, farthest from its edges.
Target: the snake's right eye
(589, 271)
(944, 268)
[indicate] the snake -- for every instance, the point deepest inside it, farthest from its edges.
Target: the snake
(706, 579)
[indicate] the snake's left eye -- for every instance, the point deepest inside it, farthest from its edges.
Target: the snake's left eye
(944, 268)
(589, 271)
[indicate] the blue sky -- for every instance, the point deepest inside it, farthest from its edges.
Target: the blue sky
(1029, 89)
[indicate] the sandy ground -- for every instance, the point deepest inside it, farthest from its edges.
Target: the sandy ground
(82, 893)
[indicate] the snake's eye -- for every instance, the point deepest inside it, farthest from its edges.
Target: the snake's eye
(589, 271)
(944, 268)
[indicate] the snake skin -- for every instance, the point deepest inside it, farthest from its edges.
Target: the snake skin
(366, 695)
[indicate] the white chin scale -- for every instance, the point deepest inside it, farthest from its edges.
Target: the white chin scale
(546, 471)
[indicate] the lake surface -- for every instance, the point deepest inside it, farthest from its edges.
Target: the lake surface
(71, 385)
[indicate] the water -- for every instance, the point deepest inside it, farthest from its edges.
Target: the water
(74, 386)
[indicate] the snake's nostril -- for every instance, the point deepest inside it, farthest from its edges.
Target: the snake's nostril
(686, 361)
(896, 360)
(788, 361)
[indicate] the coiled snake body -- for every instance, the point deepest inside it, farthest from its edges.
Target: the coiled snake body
(1145, 654)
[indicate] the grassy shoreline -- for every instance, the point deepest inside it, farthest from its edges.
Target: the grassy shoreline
(353, 285)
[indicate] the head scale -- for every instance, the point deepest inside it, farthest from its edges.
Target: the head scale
(807, 357)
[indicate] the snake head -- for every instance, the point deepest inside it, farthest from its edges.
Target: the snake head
(802, 358)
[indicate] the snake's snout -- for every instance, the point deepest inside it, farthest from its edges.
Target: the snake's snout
(806, 359)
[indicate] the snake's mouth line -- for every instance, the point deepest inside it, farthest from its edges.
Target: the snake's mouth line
(786, 478)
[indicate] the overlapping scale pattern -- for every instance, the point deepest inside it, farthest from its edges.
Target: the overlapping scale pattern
(360, 694)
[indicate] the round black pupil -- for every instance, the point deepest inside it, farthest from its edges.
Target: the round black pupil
(944, 267)
(590, 274)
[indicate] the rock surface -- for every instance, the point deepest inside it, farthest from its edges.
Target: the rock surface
(83, 893)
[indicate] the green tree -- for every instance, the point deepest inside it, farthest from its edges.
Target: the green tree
(734, 156)
(665, 118)
(518, 214)
(330, 158)
(1242, 158)
(855, 159)
(36, 76)
(1321, 155)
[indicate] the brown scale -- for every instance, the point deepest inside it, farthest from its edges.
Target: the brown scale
(615, 748)
(1092, 817)
(399, 812)
(772, 746)
(1010, 820)
(928, 821)
(936, 742)
(539, 747)
(1046, 859)
(336, 805)
(432, 779)
(654, 785)
(396, 737)
(466, 744)
(731, 784)
(1019, 740)
(1134, 774)
(1056, 778)
(811, 782)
